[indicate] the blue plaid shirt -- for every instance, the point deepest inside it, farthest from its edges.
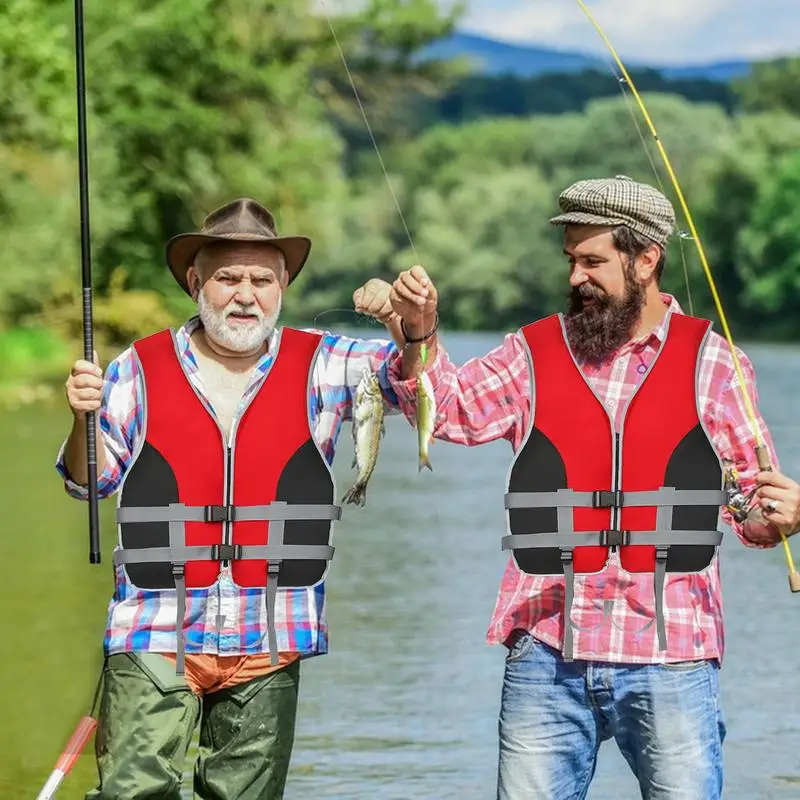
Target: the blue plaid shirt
(225, 619)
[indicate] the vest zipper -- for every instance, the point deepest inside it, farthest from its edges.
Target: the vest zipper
(227, 536)
(229, 447)
(615, 512)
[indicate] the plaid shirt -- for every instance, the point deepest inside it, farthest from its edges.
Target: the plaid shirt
(489, 398)
(145, 620)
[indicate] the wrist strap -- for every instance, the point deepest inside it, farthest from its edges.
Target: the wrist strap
(424, 338)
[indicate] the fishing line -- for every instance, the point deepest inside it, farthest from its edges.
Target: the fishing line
(681, 235)
(369, 130)
(761, 452)
(359, 320)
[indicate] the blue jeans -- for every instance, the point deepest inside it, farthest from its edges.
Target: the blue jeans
(555, 714)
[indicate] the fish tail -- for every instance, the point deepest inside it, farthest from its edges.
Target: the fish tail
(356, 494)
(424, 462)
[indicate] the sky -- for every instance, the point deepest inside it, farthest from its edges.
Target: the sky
(656, 31)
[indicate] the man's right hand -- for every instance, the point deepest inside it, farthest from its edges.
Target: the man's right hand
(84, 387)
(414, 298)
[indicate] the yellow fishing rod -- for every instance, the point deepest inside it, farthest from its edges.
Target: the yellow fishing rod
(761, 451)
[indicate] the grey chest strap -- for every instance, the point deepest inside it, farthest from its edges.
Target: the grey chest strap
(569, 498)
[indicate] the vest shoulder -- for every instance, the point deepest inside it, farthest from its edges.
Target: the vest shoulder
(302, 333)
(153, 340)
(554, 320)
(689, 321)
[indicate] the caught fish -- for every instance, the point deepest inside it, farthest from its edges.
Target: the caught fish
(368, 428)
(426, 414)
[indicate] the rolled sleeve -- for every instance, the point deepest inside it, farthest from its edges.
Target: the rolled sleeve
(120, 426)
(738, 443)
(406, 389)
(481, 401)
(108, 480)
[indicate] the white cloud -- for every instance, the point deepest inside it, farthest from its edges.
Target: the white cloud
(663, 31)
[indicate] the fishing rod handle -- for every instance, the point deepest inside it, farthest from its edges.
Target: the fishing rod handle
(763, 458)
(91, 438)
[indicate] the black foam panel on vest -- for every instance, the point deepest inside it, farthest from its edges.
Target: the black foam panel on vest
(538, 468)
(693, 465)
(150, 483)
(305, 480)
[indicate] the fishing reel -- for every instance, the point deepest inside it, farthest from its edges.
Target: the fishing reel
(739, 503)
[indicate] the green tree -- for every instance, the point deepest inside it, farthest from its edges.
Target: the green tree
(190, 102)
(731, 183)
(771, 86)
(489, 247)
(770, 249)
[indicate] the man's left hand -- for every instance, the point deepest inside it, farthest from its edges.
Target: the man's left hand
(373, 299)
(778, 498)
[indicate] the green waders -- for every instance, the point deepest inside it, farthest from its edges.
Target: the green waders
(147, 719)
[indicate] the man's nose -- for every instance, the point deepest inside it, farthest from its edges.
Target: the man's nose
(244, 292)
(577, 277)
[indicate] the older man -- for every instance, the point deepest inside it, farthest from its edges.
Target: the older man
(218, 439)
(624, 415)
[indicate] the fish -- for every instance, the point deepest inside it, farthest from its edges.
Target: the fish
(426, 414)
(368, 429)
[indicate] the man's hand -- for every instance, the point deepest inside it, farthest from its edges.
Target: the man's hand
(778, 499)
(414, 298)
(373, 299)
(84, 387)
(84, 390)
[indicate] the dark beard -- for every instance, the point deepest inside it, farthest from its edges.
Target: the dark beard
(597, 331)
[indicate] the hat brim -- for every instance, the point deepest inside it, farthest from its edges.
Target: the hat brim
(582, 218)
(182, 250)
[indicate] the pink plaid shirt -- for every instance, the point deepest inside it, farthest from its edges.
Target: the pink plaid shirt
(489, 398)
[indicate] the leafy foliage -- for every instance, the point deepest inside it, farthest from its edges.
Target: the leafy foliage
(193, 102)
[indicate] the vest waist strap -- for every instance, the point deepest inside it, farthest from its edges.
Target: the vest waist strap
(569, 540)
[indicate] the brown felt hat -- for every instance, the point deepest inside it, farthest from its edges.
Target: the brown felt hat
(242, 220)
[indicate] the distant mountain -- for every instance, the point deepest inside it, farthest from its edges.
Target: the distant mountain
(492, 57)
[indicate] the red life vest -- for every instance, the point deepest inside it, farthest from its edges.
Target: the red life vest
(578, 489)
(192, 501)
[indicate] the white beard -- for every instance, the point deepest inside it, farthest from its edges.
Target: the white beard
(237, 338)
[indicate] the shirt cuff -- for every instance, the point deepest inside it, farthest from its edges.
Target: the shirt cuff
(107, 480)
(406, 390)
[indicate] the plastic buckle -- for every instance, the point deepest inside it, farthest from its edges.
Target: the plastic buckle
(662, 551)
(606, 499)
(178, 571)
(566, 556)
(226, 552)
(611, 538)
(219, 514)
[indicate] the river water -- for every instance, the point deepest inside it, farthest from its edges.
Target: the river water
(405, 705)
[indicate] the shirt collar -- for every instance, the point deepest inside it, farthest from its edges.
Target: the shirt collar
(660, 333)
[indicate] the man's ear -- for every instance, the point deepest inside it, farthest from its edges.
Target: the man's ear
(647, 263)
(193, 279)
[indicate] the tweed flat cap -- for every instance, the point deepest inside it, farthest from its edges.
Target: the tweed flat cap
(618, 201)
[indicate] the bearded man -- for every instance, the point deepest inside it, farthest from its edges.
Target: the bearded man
(218, 439)
(623, 415)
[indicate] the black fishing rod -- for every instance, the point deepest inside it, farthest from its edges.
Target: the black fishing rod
(86, 269)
